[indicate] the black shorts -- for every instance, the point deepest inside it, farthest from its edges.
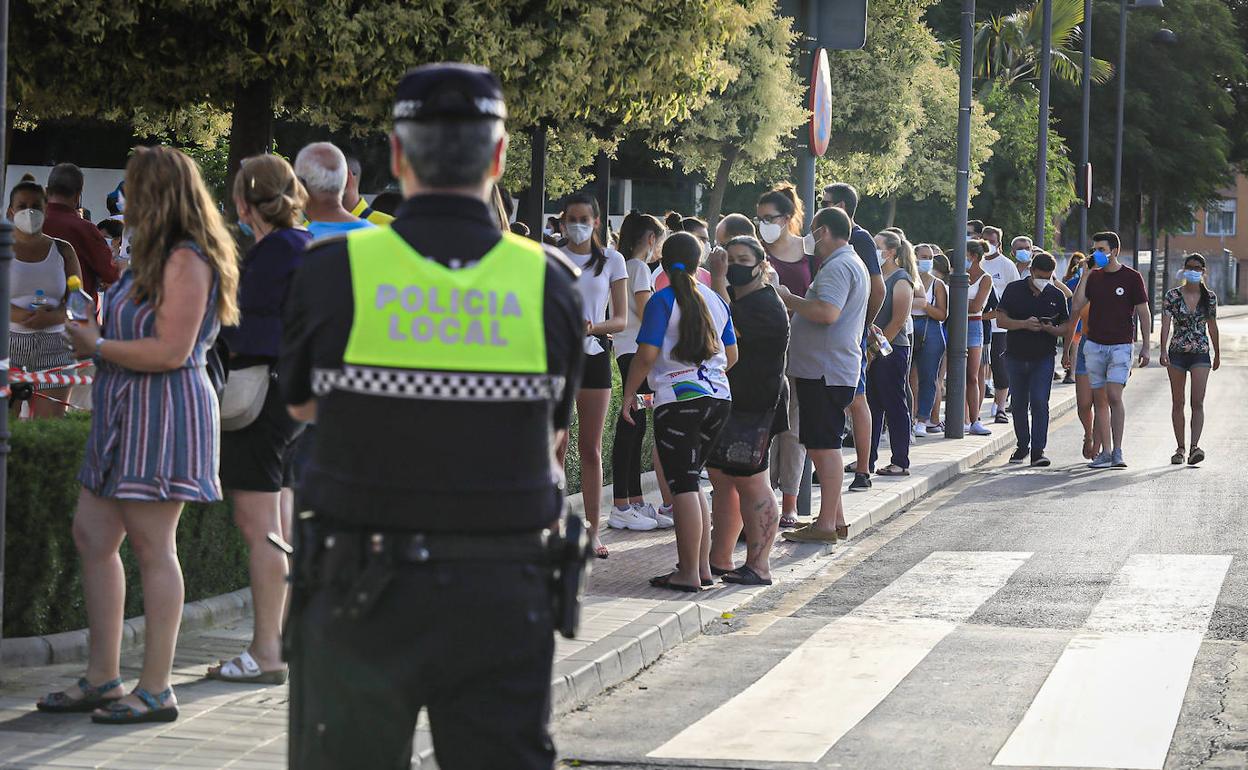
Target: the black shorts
(1000, 374)
(684, 433)
(253, 459)
(822, 408)
(597, 373)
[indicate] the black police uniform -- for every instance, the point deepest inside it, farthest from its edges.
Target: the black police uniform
(427, 587)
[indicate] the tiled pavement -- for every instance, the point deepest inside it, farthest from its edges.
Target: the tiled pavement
(626, 625)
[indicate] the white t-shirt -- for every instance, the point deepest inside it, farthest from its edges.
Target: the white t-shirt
(596, 289)
(1003, 272)
(674, 380)
(639, 279)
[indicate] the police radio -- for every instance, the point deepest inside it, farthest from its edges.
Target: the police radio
(569, 552)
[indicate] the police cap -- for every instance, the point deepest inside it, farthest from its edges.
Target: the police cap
(449, 91)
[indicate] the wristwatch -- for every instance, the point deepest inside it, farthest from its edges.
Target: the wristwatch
(98, 356)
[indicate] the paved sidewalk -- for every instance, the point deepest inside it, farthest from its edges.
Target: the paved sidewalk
(626, 626)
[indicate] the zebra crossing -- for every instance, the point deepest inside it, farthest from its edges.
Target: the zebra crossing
(1111, 700)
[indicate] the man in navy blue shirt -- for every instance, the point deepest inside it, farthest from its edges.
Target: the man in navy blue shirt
(843, 196)
(1033, 312)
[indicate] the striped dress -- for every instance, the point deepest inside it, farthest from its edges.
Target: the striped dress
(154, 436)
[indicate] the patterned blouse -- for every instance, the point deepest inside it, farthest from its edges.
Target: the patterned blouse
(1190, 333)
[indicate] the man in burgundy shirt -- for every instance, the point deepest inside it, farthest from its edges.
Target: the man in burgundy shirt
(1118, 300)
(61, 220)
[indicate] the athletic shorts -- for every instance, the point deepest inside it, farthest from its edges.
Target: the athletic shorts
(1108, 363)
(1000, 373)
(684, 433)
(37, 351)
(1189, 360)
(822, 408)
(861, 390)
(597, 372)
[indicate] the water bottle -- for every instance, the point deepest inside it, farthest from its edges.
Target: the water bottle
(41, 300)
(78, 304)
(882, 342)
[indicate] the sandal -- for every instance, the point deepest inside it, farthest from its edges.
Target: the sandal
(745, 576)
(245, 670)
(893, 470)
(1197, 455)
(1180, 455)
(1089, 444)
(119, 713)
(601, 551)
(92, 698)
(788, 521)
(665, 581)
(718, 571)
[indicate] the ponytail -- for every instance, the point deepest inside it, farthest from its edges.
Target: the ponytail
(597, 257)
(784, 198)
(673, 221)
(698, 340)
(905, 254)
(633, 230)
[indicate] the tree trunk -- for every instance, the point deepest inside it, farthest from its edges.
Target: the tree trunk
(715, 203)
(890, 212)
(251, 132)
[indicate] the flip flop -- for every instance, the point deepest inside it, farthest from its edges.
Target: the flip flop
(601, 551)
(893, 470)
(745, 576)
(92, 698)
(245, 670)
(119, 713)
(665, 581)
(718, 571)
(1088, 446)
(789, 522)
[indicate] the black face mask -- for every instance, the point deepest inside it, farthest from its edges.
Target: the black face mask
(741, 275)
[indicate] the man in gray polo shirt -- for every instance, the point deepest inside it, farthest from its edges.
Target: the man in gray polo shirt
(825, 358)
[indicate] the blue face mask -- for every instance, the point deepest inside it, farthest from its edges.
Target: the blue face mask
(1100, 258)
(925, 265)
(245, 229)
(1023, 255)
(1192, 276)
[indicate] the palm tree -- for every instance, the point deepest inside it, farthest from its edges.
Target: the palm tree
(1008, 48)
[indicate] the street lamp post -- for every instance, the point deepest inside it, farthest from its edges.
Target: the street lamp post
(1042, 138)
(1085, 170)
(955, 387)
(1123, 7)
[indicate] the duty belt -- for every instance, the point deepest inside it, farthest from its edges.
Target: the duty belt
(438, 386)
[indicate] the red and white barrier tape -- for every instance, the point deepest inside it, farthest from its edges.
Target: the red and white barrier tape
(48, 377)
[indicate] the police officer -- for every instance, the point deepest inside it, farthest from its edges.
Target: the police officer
(439, 358)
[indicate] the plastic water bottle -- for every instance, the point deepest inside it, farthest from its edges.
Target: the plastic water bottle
(78, 304)
(41, 300)
(885, 346)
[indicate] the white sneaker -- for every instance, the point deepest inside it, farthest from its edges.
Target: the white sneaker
(978, 429)
(920, 430)
(631, 519)
(650, 512)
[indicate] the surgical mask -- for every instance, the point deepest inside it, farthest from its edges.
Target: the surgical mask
(1042, 283)
(1100, 258)
(1192, 276)
(245, 229)
(1023, 255)
(808, 244)
(770, 231)
(992, 250)
(29, 221)
(579, 233)
(741, 275)
(879, 256)
(925, 265)
(706, 251)
(121, 202)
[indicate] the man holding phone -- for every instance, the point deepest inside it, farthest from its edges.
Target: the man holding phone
(1032, 311)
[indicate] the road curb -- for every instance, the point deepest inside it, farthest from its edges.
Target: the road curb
(622, 655)
(72, 646)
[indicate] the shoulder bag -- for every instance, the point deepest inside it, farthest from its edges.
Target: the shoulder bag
(244, 395)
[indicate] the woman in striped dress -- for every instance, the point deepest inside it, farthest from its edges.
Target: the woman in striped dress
(154, 436)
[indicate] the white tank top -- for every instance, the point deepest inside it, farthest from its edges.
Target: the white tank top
(918, 309)
(29, 277)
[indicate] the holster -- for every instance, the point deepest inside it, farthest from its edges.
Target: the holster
(569, 552)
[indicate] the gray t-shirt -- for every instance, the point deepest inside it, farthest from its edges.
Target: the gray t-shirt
(885, 316)
(833, 352)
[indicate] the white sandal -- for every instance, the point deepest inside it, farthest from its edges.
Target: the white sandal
(244, 669)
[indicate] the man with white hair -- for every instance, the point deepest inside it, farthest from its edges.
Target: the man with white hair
(323, 170)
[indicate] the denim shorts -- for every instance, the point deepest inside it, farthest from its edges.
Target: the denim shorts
(1189, 360)
(1108, 363)
(974, 334)
(1081, 363)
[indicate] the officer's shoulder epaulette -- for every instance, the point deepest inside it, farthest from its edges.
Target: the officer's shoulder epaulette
(561, 259)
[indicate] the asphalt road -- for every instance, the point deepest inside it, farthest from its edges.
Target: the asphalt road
(1032, 618)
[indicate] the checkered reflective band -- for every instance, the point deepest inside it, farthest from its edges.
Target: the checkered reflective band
(438, 386)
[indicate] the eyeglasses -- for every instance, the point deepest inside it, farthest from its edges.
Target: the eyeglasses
(769, 218)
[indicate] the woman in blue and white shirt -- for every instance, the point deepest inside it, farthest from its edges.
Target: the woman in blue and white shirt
(685, 347)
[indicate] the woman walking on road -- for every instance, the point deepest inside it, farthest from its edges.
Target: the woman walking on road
(685, 347)
(1191, 312)
(604, 294)
(154, 436)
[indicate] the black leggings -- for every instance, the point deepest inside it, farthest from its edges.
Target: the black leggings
(684, 433)
(1000, 373)
(626, 450)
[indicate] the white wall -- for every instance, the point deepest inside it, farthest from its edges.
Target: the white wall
(98, 183)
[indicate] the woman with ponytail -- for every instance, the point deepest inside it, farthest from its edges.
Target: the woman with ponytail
(685, 347)
(888, 374)
(641, 239)
(779, 219)
(604, 294)
(1191, 311)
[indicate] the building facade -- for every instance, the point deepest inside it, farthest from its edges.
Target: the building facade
(1218, 235)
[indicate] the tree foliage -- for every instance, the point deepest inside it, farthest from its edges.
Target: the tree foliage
(1008, 48)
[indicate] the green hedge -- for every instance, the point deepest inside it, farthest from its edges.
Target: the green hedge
(42, 575)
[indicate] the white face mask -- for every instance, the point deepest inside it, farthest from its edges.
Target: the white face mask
(706, 251)
(808, 243)
(770, 231)
(29, 221)
(1042, 283)
(879, 256)
(992, 250)
(579, 233)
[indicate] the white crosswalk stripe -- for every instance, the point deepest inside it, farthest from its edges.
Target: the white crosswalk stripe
(1114, 696)
(835, 678)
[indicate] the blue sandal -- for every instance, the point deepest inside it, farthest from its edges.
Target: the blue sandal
(123, 714)
(92, 698)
